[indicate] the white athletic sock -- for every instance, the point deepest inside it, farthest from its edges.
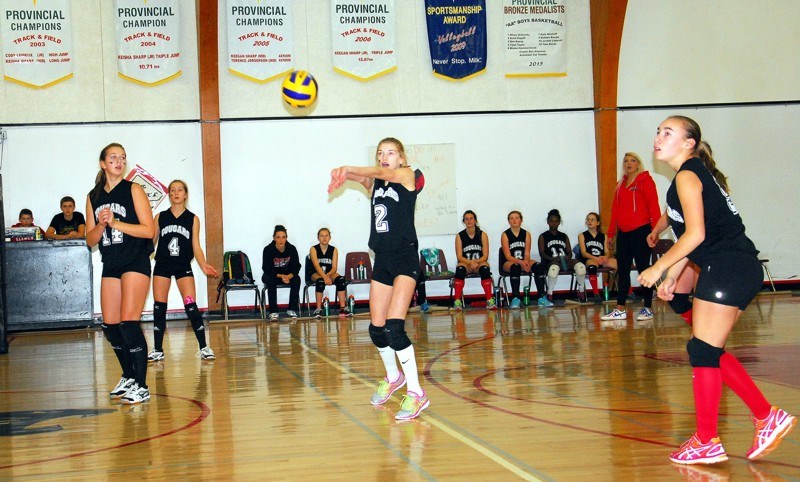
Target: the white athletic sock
(387, 355)
(581, 280)
(409, 362)
(551, 284)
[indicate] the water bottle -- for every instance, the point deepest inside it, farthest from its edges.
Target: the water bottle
(326, 306)
(563, 260)
(362, 270)
(351, 303)
(497, 296)
(605, 291)
(527, 297)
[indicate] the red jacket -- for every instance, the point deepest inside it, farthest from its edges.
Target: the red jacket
(634, 205)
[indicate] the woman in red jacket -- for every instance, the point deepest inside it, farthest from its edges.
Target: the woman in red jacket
(634, 212)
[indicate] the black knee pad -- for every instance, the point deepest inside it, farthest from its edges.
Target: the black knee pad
(701, 354)
(461, 272)
(194, 314)
(341, 283)
(591, 269)
(319, 285)
(515, 270)
(485, 272)
(396, 334)
(113, 335)
(378, 336)
(133, 336)
(680, 303)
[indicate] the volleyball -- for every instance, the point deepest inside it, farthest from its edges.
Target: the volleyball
(299, 89)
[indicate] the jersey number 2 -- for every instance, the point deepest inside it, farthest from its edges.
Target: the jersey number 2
(381, 224)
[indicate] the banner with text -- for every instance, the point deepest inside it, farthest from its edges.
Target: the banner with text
(363, 38)
(156, 190)
(260, 40)
(457, 38)
(37, 41)
(536, 37)
(148, 40)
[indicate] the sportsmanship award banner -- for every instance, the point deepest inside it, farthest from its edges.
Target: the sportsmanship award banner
(536, 37)
(148, 40)
(364, 33)
(260, 42)
(457, 37)
(37, 41)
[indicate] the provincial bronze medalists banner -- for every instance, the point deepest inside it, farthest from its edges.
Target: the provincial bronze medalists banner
(260, 40)
(148, 40)
(37, 41)
(536, 37)
(363, 38)
(457, 37)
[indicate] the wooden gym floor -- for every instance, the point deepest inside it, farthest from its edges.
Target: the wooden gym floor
(531, 394)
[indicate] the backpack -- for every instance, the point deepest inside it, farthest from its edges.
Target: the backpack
(235, 270)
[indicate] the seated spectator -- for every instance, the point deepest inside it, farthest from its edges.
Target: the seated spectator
(281, 266)
(325, 263)
(25, 219)
(69, 224)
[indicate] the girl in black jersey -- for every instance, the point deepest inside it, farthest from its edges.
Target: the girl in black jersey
(516, 244)
(594, 252)
(178, 242)
(120, 221)
(393, 238)
(556, 253)
(325, 262)
(711, 234)
(472, 251)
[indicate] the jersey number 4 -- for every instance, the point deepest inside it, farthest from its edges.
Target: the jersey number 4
(174, 247)
(381, 224)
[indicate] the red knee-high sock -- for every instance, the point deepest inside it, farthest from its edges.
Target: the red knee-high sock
(459, 287)
(687, 317)
(488, 287)
(593, 282)
(736, 377)
(707, 384)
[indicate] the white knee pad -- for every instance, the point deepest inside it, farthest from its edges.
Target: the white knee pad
(580, 269)
(552, 272)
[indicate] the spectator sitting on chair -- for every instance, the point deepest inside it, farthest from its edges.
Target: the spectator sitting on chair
(25, 219)
(325, 260)
(68, 224)
(556, 253)
(281, 265)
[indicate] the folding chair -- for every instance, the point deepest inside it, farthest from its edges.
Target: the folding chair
(504, 275)
(353, 263)
(247, 284)
(438, 271)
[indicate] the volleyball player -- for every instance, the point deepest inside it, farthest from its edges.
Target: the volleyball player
(516, 244)
(325, 263)
(472, 251)
(711, 234)
(556, 253)
(393, 238)
(120, 221)
(178, 242)
(594, 252)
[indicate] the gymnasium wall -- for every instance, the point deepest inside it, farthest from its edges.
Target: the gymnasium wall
(275, 168)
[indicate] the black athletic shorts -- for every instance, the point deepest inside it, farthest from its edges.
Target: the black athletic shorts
(391, 264)
(139, 264)
(168, 270)
(730, 279)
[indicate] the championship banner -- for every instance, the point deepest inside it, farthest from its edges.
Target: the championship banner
(156, 191)
(457, 37)
(363, 38)
(260, 41)
(37, 41)
(536, 37)
(148, 40)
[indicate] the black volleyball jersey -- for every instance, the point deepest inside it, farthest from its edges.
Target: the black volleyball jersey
(723, 224)
(116, 247)
(325, 259)
(471, 248)
(175, 237)
(554, 244)
(516, 244)
(595, 245)
(393, 206)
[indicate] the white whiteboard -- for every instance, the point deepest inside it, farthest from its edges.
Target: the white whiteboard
(436, 210)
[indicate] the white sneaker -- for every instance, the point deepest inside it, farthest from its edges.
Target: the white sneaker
(273, 317)
(136, 395)
(615, 315)
(292, 314)
(155, 355)
(122, 387)
(206, 353)
(645, 314)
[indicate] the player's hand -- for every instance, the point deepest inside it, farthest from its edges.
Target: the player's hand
(105, 217)
(650, 276)
(210, 271)
(666, 289)
(652, 239)
(328, 280)
(338, 177)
